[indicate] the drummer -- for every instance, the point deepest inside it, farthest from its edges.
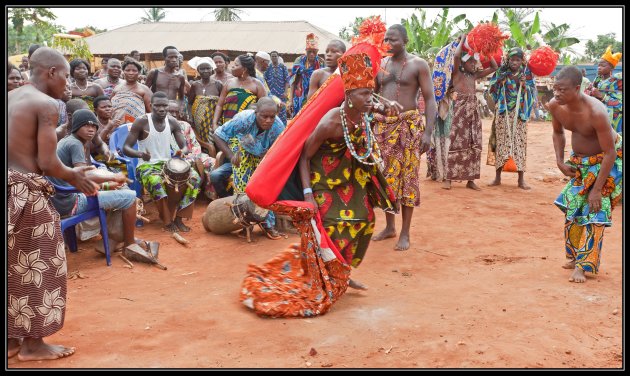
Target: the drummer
(154, 139)
(71, 152)
(244, 141)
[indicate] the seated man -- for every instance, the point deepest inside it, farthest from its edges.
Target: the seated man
(198, 159)
(244, 140)
(71, 152)
(153, 133)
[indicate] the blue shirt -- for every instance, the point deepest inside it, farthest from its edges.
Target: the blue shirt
(243, 124)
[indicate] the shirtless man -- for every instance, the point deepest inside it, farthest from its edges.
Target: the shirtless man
(597, 151)
(112, 79)
(334, 51)
(462, 159)
(32, 113)
(403, 138)
(168, 78)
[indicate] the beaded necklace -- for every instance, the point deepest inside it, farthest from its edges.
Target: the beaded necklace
(364, 125)
(87, 85)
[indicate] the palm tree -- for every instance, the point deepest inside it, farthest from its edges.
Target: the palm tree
(227, 14)
(153, 15)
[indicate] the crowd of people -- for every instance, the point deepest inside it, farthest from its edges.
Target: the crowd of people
(364, 153)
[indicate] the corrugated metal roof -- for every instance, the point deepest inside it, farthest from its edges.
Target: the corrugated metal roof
(288, 37)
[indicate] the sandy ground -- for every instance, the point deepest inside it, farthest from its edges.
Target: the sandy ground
(481, 287)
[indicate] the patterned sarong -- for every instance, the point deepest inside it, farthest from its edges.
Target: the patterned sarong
(150, 174)
(36, 259)
(463, 152)
(128, 106)
(574, 197)
(203, 112)
(500, 147)
(399, 139)
(302, 281)
(236, 100)
(246, 167)
(346, 192)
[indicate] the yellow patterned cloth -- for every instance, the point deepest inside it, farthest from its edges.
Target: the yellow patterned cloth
(203, 112)
(399, 139)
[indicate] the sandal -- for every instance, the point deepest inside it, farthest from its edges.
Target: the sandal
(271, 233)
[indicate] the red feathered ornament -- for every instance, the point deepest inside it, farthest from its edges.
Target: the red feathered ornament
(372, 31)
(486, 38)
(542, 61)
(485, 62)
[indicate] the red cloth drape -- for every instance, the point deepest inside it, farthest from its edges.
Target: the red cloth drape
(273, 171)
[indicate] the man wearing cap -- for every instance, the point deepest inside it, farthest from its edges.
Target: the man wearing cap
(607, 88)
(403, 138)
(72, 152)
(277, 77)
(460, 134)
(303, 68)
(513, 90)
(338, 165)
(262, 63)
(202, 98)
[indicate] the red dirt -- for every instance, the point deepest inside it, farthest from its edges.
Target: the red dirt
(481, 287)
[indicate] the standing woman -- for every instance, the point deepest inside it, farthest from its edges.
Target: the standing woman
(131, 99)
(81, 87)
(220, 73)
(203, 97)
(14, 77)
(239, 92)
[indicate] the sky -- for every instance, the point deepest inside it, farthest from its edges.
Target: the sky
(581, 20)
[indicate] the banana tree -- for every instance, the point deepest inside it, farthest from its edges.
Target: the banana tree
(524, 32)
(426, 39)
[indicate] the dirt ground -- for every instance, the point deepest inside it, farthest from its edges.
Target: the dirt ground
(481, 287)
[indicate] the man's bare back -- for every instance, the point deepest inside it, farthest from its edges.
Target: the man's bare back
(29, 109)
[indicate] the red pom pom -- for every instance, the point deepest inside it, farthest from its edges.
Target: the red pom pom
(486, 38)
(543, 61)
(485, 61)
(372, 31)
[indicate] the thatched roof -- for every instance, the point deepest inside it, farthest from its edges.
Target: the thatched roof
(286, 37)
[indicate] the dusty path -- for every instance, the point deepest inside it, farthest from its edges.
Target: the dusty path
(481, 286)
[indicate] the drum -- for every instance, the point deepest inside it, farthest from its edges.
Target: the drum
(218, 217)
(246, 211)
(176, 172)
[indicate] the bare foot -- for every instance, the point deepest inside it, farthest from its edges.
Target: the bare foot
(180, 225)
(523, 185)
(495, 182)
(36, 349)
(171, 227)
(403, 243)
(385, 234)
(446, 184)
(569, 265)
(578, 276)
(13, 346)
(471, 184)
(357, 285)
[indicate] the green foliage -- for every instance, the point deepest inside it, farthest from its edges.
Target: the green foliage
(426, 38)
(76, 48)
(29, 25)
(227, 14)
(352, 30)
(153, 15)
(595, 49)
(94, 29)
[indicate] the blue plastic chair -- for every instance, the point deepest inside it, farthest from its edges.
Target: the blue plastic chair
(93, 210)
(116, 143)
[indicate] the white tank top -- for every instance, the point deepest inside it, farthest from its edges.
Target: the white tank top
(158, 144)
